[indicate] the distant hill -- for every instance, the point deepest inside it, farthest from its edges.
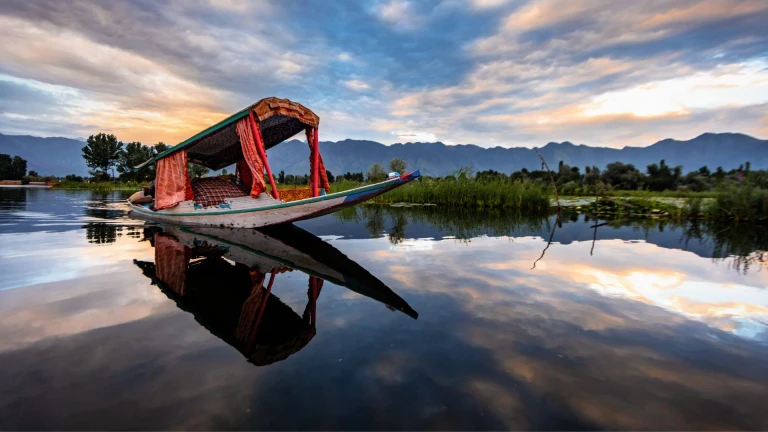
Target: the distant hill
(728, 150)
(48, 156)
(61, 156)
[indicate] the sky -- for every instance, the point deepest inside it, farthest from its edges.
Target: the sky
(488, 72)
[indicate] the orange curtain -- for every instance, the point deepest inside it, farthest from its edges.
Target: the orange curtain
(323, 183)
(251, 157)
(172, 181)
(171, 262)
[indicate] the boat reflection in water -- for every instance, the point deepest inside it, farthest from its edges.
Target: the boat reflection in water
(226, 277)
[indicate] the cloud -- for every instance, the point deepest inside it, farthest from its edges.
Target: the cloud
(356, 85)
(490, 72)
(399, 13)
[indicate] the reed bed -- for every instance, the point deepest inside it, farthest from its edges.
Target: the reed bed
(100, 186)
(469, 193)
(739, 203)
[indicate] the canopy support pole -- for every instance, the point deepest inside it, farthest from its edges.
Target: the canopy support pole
(315, 162)
(264, 302)
(262, 153)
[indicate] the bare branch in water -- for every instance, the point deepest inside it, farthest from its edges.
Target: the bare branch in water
(594, 238)
(551, 179)
(551, 236)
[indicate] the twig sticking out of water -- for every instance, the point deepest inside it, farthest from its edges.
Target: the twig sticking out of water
(551, 179)
(549, 242)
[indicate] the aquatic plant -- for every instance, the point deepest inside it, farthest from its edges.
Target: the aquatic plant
(466, 192)
(744, 202)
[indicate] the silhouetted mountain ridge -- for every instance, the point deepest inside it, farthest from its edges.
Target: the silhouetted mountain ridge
(60, 156)
(728, 150)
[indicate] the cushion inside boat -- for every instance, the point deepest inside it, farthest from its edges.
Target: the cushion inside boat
(213, 191)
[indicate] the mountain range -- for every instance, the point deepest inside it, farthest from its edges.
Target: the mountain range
(61, 156)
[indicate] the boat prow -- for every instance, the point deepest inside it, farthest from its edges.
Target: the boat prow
(246, 212)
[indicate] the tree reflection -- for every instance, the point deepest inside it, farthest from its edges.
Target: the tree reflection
(101, 233)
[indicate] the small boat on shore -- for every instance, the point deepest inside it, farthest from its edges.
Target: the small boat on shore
(243, 200)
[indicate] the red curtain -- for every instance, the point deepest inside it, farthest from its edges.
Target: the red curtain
(243, 172)
(171, 262)
(172, 180)
(251, 157)
(323, 183)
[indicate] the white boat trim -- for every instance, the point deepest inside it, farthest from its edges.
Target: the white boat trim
(246, 212)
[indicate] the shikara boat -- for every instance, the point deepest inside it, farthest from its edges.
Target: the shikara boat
(243, 200)
(220, 276)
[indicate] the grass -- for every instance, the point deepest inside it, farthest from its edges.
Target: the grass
(469, 193)
(101, 186)
(463, 193)
(740, 203)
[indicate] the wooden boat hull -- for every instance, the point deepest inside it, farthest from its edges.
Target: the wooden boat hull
(249, 213)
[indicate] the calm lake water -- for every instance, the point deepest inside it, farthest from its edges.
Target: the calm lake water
(377, 318)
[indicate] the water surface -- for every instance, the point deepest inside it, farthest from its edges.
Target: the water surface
(377, 318)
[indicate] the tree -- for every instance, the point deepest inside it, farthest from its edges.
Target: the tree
(281, 177)
(133, 155)
(18, 167)
(5, 166)
(591, 176)
(376, 172)
(621, 176)
(101, 152)
(12, 168)
(160, 147)
(330, 176)
(489, 176)
(34, 173)
(662, 177)
(398, 165)
(358, 177)
(196, 170)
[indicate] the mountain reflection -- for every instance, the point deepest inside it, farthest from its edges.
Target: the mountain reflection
(226, 279)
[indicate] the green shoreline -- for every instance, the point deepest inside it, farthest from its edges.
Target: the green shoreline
(737, 203)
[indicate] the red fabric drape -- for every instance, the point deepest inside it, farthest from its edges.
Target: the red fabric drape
(171, 262)
(262, 153)
(243, 172)
(172, 181)
(251, 157)
(323, 180)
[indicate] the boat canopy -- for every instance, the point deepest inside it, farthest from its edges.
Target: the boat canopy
(219, 145)
(244, 139)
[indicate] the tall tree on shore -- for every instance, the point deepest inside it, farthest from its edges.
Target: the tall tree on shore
(134, 154)
(101, 153)
(12, 168)
(398, 165)
(376, 172)
(160, 147)
(18, 168)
